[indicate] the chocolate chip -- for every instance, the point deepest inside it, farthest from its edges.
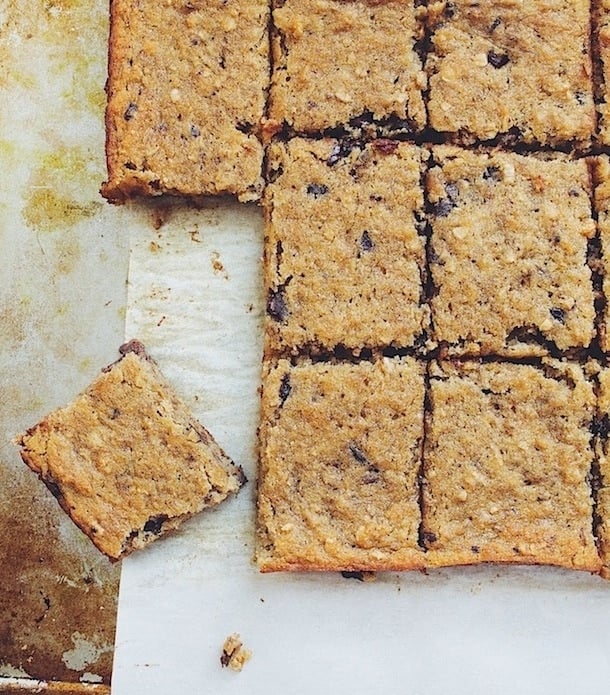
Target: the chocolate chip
(475, 549)
(386, 146)
(601, 427)
(580, 98)
(358, 454)
(492, 173)
(276, 304)
(285, 389)
(317, 189)
(363, 120)
(445, 205)
(450, 10)
(353, 575)
(427, 538)
(558, 314)
(497, 60)
(495, 24)
(339, 151)
(154, 524)
(244, 127)
(130, 111)
(366, 243)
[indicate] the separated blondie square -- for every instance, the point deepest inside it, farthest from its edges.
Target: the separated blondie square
(507, 465)
(187, 85)
(126, 459)
(344, 247)
(509, 253)
(342, 61)
(340, 457)
(516, 70)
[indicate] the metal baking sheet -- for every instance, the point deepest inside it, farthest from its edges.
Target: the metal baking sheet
(194, 298)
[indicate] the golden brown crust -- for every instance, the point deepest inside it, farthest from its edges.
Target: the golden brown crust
(507, 462)
(340, 447)
(337, 61)
(186, 87)
(343, 257)
(517, 69)
(509, 250)
(126, 459)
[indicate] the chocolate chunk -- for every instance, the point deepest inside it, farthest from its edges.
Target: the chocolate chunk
(155, 523)
(427, 538)
(243, 127)
(445, 205)
(341, 150)
(495, 24)
(558, 314)
(285, 389)
(317, 189)
(130, 111)
(276, 305)
(497, 60)
(492, 173)
(366, 243)
(450, 10)
(358, 454)
(601, 427)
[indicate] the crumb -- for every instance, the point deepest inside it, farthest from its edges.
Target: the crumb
(233, 654)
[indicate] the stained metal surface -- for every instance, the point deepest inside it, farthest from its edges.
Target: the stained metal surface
(63, 267)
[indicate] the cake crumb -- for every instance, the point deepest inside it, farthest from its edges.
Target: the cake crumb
(233, 654)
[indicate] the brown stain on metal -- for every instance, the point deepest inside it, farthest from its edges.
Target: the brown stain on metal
(50, 591)
(60, 191)
(58, 593)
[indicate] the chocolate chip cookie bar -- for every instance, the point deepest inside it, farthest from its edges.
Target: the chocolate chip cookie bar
(187, 84)
(338, 62)
(507, 462)
(340, 454)
(126, 459)
(515, 71)
(344, 256)
(508, 252)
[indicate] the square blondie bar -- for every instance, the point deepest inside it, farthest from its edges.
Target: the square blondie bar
(344, 258)
(514, 70)
(187, 84)
(509, 252)
(342, 61)
(507, 465)
(126, 459)
(340, 456)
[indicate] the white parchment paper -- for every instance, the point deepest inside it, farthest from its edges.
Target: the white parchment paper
(194, 298)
